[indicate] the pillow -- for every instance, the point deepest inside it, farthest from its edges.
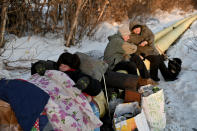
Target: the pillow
(93, 67)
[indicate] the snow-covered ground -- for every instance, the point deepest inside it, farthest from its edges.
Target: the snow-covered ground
(180, 95)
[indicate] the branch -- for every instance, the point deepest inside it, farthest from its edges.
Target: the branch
(16, 68)
(8, 67)
(20, 60)
(104, 7)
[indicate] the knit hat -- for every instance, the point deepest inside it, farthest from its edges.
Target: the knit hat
(124, 29)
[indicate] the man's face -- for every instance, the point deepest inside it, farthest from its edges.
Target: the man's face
(64, 67)
(137, 30)
(126, 37)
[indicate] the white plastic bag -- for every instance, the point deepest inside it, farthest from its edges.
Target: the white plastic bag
(153, 106)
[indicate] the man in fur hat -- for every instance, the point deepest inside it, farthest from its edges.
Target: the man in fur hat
(143, 38)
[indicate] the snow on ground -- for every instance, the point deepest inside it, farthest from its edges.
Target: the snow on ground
(181, 95)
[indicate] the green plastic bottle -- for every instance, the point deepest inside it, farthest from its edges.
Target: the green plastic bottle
(155, 89)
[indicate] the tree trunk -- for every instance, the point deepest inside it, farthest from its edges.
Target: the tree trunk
(75, 21)
(3, 23)
(100, 16)
(64, 18)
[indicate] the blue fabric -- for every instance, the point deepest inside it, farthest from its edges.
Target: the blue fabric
(96, 112)
(26, 100)
(43, 120)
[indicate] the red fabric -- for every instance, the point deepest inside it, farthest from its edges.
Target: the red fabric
(43, 113)
(86, 95)
(71, 69)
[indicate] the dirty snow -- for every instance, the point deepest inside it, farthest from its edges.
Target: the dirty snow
(180, 95)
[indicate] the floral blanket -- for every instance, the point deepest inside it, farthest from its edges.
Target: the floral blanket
(67, 108)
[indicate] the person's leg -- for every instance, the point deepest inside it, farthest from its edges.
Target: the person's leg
(140, 65)
(154, 72)
(123, 81)
(154, 66)
(157, 62)
(130, 67)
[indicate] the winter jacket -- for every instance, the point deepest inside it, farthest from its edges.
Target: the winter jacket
(93, 88)
(114, 52)
(145, 35)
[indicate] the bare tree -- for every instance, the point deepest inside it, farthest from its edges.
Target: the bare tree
(3, 22)
(73, 18)
(80, 5)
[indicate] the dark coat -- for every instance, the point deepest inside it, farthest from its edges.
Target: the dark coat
(145, 35)
(94, 86)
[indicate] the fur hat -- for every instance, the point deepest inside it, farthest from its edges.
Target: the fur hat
(136, 26)
(69, 59)
(124, 29)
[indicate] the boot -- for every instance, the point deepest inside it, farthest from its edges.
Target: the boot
(143, 82)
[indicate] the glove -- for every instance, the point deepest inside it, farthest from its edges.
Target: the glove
(129, 48)
(83, 83)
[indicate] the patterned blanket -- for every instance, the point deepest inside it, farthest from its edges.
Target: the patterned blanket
(67, 108)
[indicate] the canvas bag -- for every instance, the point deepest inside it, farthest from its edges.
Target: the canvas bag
(153, 106)
(93, 67)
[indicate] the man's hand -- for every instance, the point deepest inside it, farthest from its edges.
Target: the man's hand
(143, 43)
(129, 48)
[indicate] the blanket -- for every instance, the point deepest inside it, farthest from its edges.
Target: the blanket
(67, 109)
